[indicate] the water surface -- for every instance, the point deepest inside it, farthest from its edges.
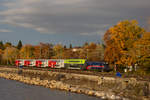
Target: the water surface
(13, 90)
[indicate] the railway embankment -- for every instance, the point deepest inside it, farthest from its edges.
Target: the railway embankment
(113, 88)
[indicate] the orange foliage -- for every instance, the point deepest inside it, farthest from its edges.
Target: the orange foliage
(27, 52)
(43, 51)
(10, 54)
(142, 47)
(119, 42)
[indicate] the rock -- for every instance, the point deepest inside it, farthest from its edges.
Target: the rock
(90, 92)
(123, 85)
(20, 71)
(125, 99)
(88, 84)
(60, 77)
(79, 90)
(118, 98)
(103, 97)
(99, 94)
(145, 98)
(100, 80)
(113, 97)
(52, 82)
(72, 89)
(86, 91)
(52, 86)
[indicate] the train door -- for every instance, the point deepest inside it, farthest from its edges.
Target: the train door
(61, 63)
(44, 63)
(33, 63)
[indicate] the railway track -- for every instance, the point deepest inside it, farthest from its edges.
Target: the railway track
(75, 71)
(85, 72)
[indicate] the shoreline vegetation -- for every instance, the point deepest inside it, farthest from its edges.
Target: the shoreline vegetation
(107, 88)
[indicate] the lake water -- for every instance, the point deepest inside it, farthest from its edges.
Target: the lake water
(13, 90)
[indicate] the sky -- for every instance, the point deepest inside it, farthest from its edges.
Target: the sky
(66, 21)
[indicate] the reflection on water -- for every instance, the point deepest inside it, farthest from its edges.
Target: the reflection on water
(13, 90)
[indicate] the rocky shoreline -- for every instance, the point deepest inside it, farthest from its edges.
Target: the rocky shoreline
(103, 87)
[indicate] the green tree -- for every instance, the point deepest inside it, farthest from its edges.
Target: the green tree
(70, 46)
(65, 47)
(2, 45)
(19, 46)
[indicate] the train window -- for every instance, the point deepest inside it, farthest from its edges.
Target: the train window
(74, 61)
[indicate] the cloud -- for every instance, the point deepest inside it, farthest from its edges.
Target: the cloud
(81, 17)
(98, 33)
(5, 31)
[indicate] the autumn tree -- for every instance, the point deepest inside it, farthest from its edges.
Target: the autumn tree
(58, 51)
(142, 50)
(99, 52)
(27, 52)
(119, 41)
(7, 44)
(92, 52)
(10, 55)
(70, 54)
(85, 44)
(37, 52)
(85, 53)
(1, 54)
(43, 51)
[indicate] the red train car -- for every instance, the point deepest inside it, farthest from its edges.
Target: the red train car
(27, 63)
(17, 63)
(51, 64)
(38, 63)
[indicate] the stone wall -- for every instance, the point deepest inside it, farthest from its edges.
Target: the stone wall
(103, 87)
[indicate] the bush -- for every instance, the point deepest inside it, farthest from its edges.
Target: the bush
(145, 67)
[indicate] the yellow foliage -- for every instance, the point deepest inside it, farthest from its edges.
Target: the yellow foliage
(27, 52)
(119, 41)
(142, 47)
(10, 54)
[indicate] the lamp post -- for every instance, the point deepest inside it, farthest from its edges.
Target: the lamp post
(7, 55)
(87, 54)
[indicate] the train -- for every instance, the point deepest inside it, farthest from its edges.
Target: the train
(81, 64)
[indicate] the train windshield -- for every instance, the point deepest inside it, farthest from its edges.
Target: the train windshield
(95, 63)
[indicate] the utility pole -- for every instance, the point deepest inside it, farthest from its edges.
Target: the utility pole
(40, 51)
(87, 54)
